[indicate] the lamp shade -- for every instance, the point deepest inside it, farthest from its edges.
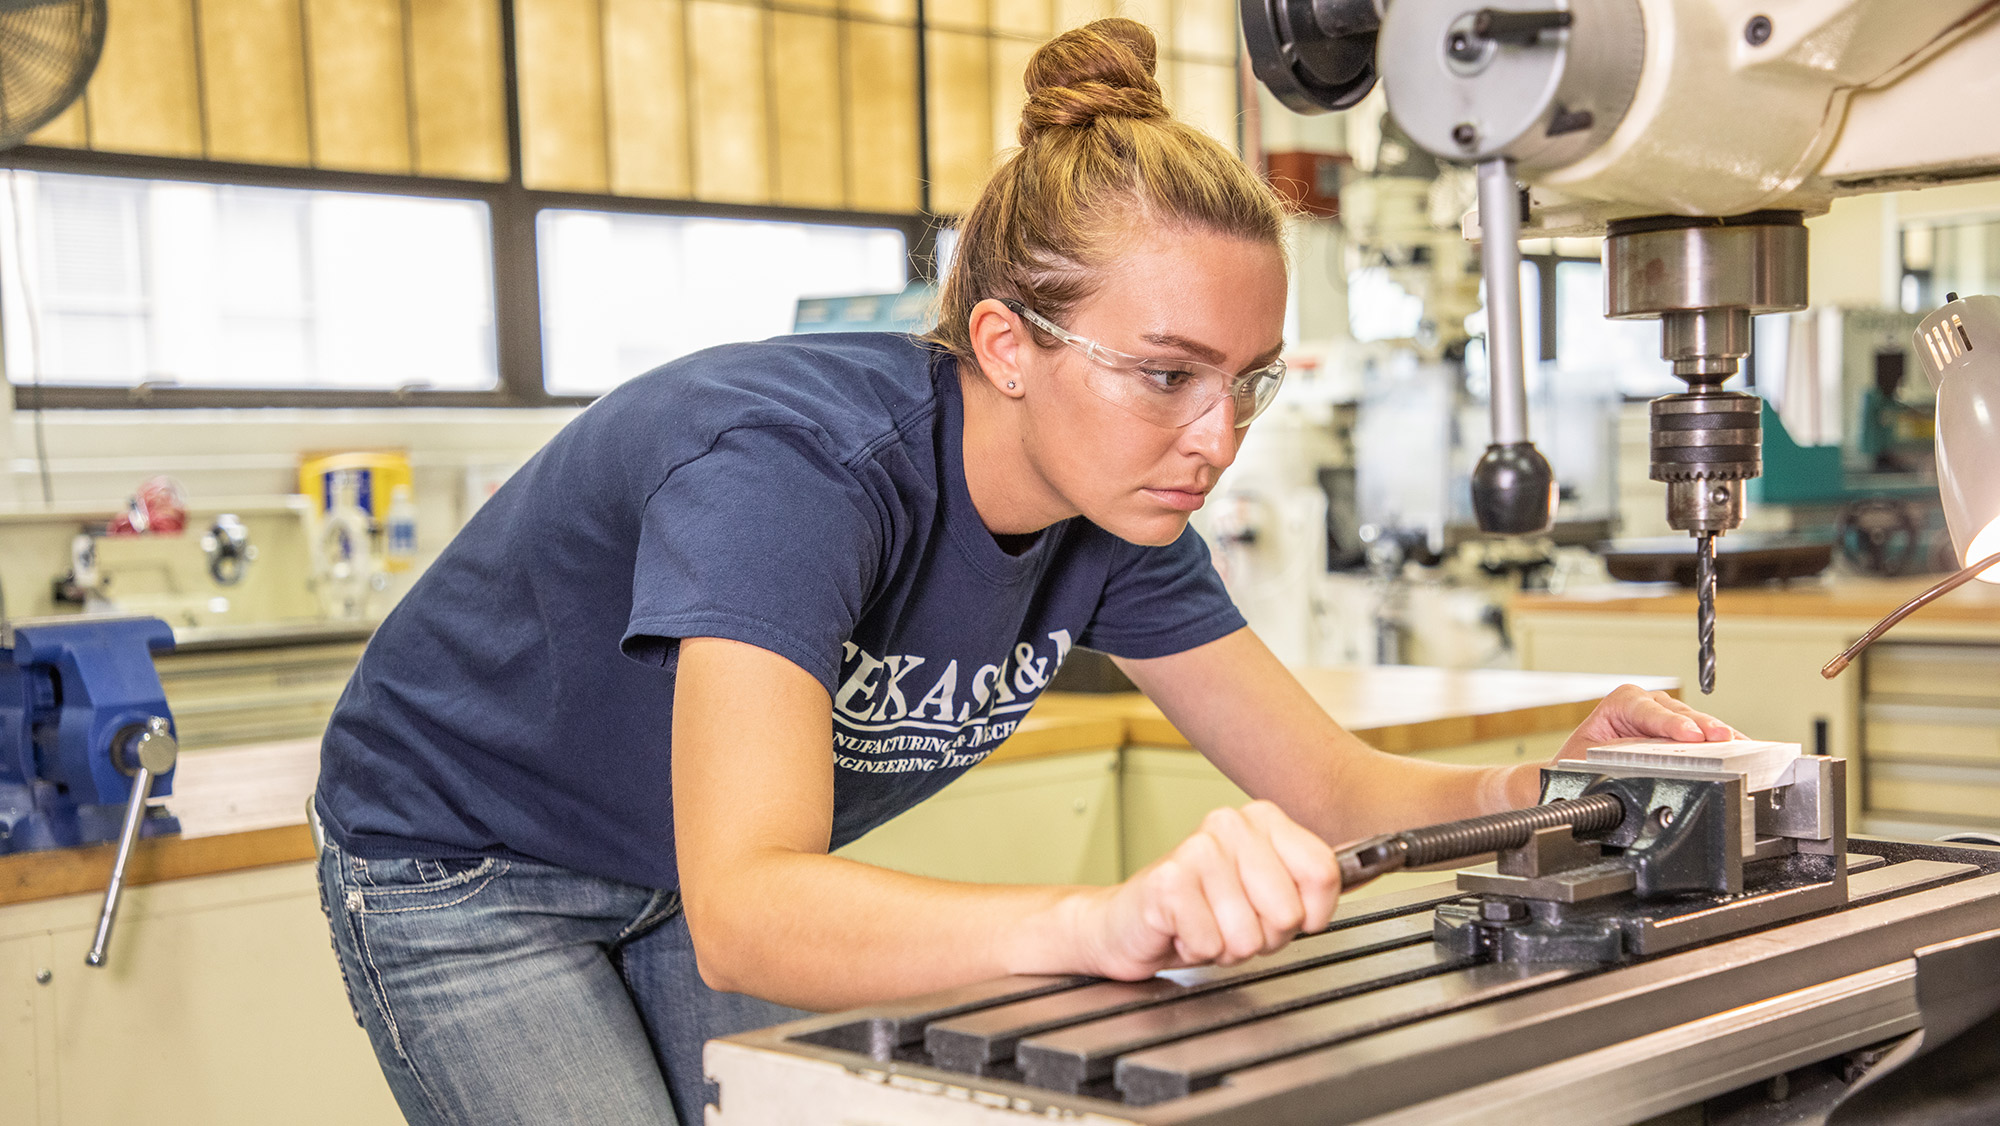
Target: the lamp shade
(1958, 347)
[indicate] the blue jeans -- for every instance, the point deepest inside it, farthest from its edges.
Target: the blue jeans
(500, 991)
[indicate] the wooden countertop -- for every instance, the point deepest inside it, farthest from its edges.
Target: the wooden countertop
(1856, 599)
(244, 807)
(1398, 708)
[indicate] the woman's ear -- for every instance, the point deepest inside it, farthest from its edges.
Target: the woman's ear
(998, 337)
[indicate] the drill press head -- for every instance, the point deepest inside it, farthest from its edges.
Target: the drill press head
(1704, 279)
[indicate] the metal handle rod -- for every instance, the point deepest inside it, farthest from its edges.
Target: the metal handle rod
(1500, 263)
(135, 810)
(1591, 815)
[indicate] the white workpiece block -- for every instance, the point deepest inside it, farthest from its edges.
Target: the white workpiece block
(1763, 764)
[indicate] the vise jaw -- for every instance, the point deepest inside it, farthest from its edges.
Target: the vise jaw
(81, 712)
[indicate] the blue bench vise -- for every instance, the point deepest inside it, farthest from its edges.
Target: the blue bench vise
(79, 701)
(85, 739)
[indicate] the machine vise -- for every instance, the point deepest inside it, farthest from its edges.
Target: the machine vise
(1627, 858)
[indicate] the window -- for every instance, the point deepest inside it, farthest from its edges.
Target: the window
(1952, 256)
(623, 293)
(1625, 352)
(115, 282)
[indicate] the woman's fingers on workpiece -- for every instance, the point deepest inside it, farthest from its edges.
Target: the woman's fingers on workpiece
(1632, 712)
(1711, 727)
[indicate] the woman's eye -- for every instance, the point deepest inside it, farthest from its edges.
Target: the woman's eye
(1167, 378)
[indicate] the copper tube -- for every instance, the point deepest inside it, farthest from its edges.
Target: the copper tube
(1832, 668)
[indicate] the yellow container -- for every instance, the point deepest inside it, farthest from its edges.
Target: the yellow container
(363, 479)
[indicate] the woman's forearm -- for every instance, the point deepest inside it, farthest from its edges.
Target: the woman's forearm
(823, 932)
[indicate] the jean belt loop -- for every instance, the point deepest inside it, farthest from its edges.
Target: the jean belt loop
(318, 829)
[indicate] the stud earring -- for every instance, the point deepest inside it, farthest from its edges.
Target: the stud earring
(1010, 385)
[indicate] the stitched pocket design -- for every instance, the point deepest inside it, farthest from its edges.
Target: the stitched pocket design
(382, 887)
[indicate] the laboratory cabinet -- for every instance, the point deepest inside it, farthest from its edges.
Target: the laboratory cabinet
(220, 1005)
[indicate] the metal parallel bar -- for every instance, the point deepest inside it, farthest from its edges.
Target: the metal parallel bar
(1894, 879)
(1861, 862)
(880, 1030)
(1682, 1065)
(1353, 1081)
(971, 1042)
(1186, 1066)
(1067, 1058)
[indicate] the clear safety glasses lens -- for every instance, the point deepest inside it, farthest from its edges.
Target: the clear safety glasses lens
(1165, 392)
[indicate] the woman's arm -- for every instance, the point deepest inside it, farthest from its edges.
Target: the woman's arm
(772, 915)
(1236, 702)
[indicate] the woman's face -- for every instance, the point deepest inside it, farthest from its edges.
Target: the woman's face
(1185, 295)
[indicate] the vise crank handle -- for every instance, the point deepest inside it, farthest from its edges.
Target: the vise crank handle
(144, 753)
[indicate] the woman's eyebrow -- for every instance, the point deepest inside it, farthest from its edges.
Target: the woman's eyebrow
(1206, 354)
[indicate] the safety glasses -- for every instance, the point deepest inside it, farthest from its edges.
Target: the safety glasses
(1165, 392)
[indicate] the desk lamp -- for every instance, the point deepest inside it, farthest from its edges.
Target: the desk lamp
(1958, 347)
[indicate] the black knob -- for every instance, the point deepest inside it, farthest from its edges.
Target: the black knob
(1514, 490)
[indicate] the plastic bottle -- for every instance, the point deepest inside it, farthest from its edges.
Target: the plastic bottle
(401, 552)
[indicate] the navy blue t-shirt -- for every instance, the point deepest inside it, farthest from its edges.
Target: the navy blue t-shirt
(806, 495)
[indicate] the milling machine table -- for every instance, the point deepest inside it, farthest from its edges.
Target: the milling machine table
(1373, 1021)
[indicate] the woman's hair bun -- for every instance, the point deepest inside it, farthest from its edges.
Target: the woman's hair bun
(1103, 69)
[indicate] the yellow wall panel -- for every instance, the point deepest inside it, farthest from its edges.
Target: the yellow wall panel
(882, 167)
(901, 11)
(1023, 17)
(1205, 96)
(69, 130)
(254, 81)
(1076, 13)
(961, 119)
(1157, 15)
(143, 98)
(360, 104)
(456, 82)
(1205, 28)
(1010, 93)
(968, 15)
(731, 127)
(645, 65)
(805, 79)
(560, 61)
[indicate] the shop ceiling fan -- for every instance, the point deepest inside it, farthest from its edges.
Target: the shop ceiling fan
(48, 49)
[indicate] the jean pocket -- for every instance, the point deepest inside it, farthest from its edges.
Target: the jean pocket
(381, 887)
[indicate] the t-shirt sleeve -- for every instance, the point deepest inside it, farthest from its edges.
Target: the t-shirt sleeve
(1161, 600)
(764, 539)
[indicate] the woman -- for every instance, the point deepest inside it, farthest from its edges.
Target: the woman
(581, 789)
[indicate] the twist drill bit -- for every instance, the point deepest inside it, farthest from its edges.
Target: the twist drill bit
(1704, 587)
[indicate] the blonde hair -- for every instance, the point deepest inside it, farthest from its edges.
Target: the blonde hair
(1100, 154)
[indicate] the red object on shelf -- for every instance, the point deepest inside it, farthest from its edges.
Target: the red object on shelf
(1310, 180)
(158, 508)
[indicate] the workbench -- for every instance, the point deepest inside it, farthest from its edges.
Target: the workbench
(1918, 715)
(222, 1003)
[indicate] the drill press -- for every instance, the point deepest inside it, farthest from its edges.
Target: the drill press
(1695, 135)
(1704, 279)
